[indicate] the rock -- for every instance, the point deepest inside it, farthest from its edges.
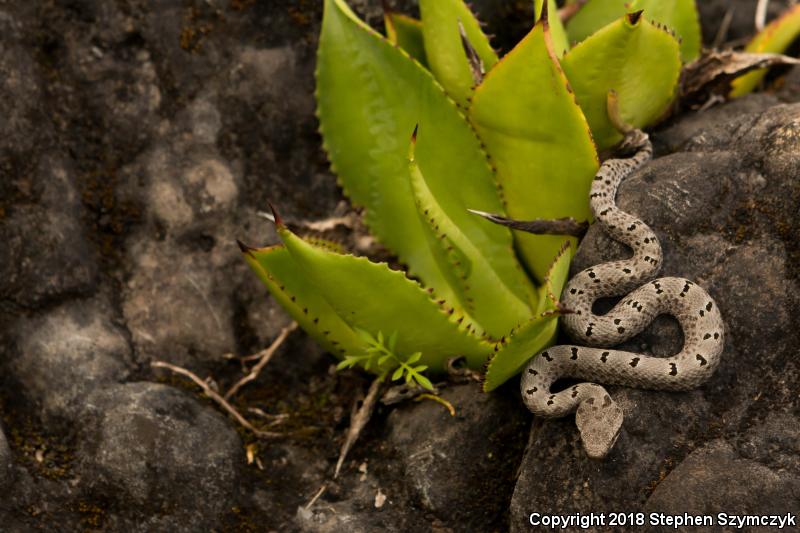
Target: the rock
(724, 208)
(183, 257)
(460, 468)
(5, 463)
(158, 453)
(773, 442)
(713, 479)
(742, 22)
(368, 507)
(45, 253)
(460, 472)
(64, 355)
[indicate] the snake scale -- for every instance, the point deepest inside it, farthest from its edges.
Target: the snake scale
(598, 417)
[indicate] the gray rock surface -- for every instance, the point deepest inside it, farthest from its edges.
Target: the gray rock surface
(64, 355)
(5, 462)
(728, 483)
(154, 447)
(460, 471)
(725, 213)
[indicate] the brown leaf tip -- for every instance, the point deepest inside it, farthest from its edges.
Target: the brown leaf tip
(633, 18)
(244, 248)
(277, 218)
(414, 134)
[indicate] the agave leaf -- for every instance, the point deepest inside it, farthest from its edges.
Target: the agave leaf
(593, 15)
(539, 332)
(279, 272)
(557, 31)
(632, 57)
(406, 32)
(370, 97)
(555, 279)
(539, 140)
(776, 38)
(679, 15)
(444, 48)
(511, 355)
(487, 279)
(372, 297)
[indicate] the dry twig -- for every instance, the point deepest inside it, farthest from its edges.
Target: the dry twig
(316, 497)
(437, 399)
(559, 226)
(358, 419)
(263, 358)
(761, 14)
(214, 395)
(724, 27)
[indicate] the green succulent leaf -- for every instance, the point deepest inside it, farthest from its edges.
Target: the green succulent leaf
(511, 355)
(555, 279)
(775, 38)
(489, 282)
(557, 32)
(444, 48)
(680, 16)
(632, 57)
(371, 297)
(536, 334)
(591, 16)
(371, 96)
(406, 32)
(539, 141)
(276, 268)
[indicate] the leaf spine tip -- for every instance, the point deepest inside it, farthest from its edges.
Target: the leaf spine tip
(414, 133)
(275, 216)
(244, 248)
(635, 17)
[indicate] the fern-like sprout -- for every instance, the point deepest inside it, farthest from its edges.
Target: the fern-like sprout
(380, 353)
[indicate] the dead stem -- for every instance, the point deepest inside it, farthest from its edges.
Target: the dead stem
(316, 496)
(214, 395)
(263, 358)
(437, 399)
(724, 27)
(358, 419)
(559, 226)
(761, 14)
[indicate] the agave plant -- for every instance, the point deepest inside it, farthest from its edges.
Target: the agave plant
(775, 38)
(518, 135)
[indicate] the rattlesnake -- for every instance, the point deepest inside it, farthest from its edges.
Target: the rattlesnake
(598, 417)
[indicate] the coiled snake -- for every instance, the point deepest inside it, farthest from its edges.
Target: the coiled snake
(598, 417)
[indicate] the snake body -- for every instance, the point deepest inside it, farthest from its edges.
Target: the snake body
(598, 417)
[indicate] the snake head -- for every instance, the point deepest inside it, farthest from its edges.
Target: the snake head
(599, 420)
